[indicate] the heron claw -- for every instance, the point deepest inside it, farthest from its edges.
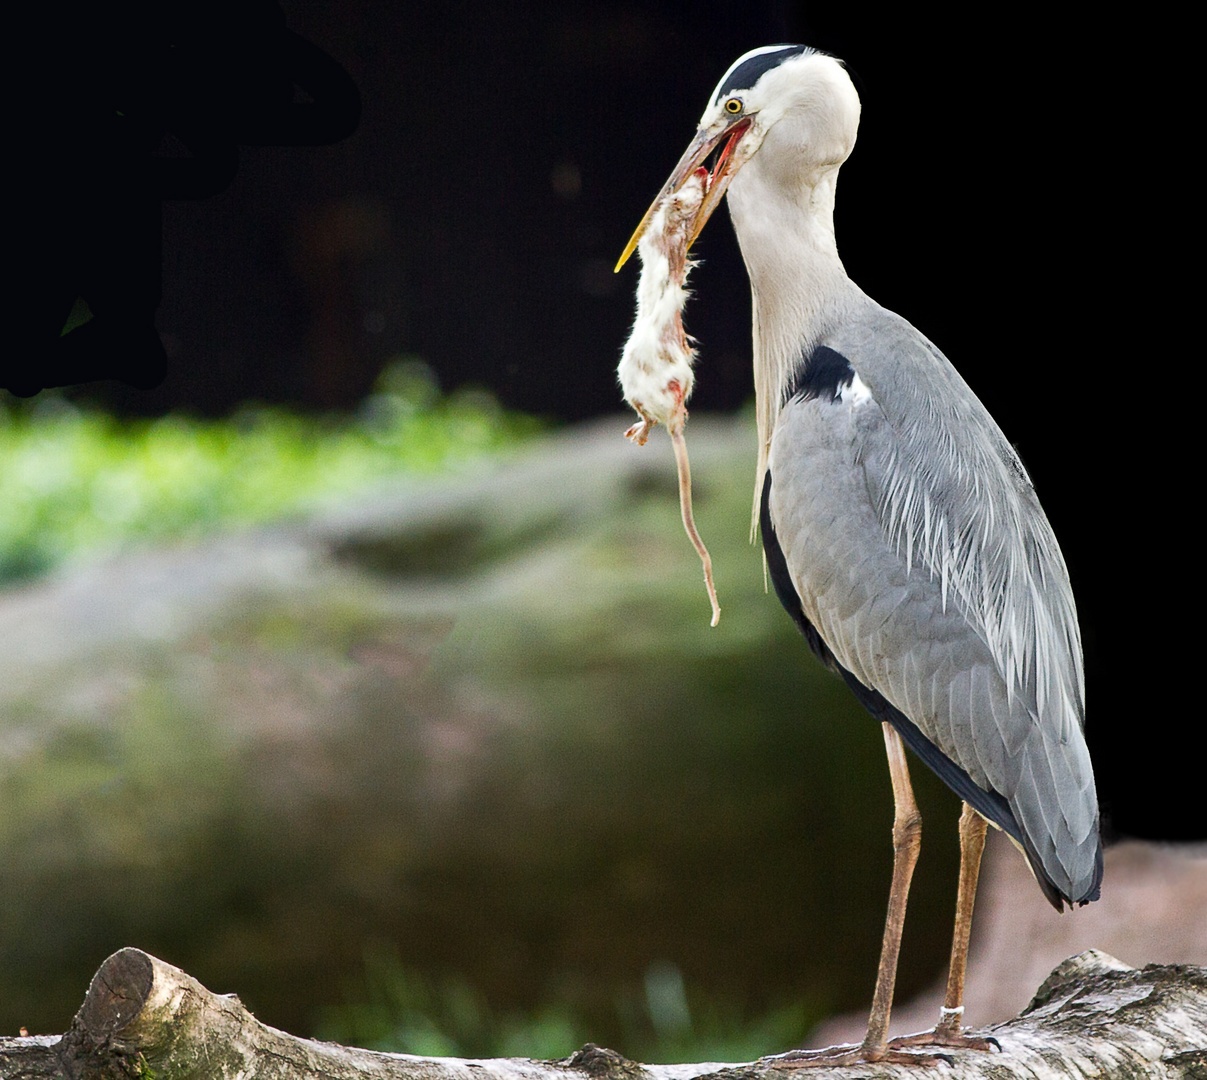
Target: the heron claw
(850, 1054)
(954, 1039)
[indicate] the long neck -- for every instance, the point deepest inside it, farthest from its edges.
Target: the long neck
(799, 286)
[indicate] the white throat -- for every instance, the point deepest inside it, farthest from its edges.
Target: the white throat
(798, 284)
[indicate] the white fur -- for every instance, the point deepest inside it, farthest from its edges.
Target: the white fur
(655, 369)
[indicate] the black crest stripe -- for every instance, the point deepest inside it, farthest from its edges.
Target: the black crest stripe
(747, 73)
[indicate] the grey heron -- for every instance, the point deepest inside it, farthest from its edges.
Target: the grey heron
(900, 529)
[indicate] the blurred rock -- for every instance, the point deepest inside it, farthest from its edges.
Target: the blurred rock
(1153, 911)
(480, 719)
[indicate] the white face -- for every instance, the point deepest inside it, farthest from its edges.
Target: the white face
(805, 105)
(801, 112)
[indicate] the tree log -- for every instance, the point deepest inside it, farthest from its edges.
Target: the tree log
(1092, 1017)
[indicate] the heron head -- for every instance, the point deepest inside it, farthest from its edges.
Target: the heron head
(793, 106)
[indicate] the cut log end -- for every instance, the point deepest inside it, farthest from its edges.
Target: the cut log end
(119, 990)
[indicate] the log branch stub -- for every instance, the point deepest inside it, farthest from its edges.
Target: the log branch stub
(601, 1063)
(117, 993)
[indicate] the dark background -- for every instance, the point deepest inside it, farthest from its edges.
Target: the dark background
(504, 154)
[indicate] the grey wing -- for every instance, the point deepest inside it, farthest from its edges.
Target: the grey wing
(921, 556)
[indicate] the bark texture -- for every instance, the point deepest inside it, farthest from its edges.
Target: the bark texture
(1092, 1017)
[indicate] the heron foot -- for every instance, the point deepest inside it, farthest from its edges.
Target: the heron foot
(951, 1037)
(850, 1054)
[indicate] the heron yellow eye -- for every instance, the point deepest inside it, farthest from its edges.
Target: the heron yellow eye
(733, 105)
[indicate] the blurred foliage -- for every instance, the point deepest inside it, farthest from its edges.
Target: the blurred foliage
(397, 1008)
(75, 481)
(483, 719)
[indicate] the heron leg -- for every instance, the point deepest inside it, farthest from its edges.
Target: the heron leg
(947, 1031)
(972, 846)
(907, 841)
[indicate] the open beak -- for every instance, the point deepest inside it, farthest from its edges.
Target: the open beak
(722, 173)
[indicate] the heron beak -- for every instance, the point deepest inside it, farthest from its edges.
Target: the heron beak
(726, 167)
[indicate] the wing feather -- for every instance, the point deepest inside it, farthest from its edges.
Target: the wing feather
(922, 557)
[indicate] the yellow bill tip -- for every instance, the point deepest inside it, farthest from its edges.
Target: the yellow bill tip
(630, 247)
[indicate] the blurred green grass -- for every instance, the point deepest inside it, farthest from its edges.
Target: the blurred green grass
(396, 1008)
(76, 482)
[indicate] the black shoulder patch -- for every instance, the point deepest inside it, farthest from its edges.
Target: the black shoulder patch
(744, 75)
(825, 374)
